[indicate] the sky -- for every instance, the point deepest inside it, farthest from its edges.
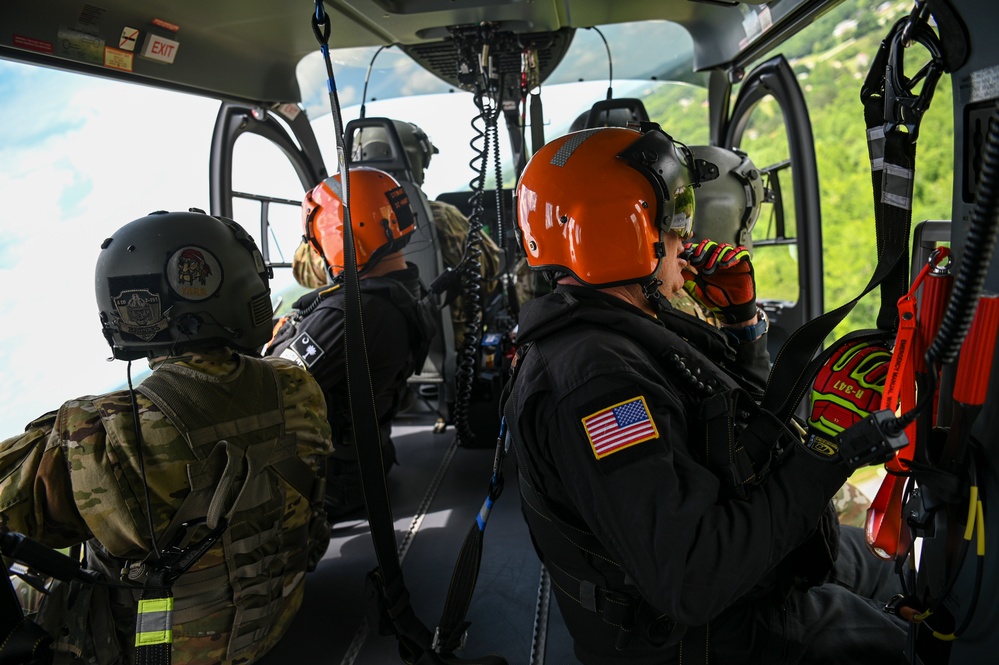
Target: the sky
(81, 156)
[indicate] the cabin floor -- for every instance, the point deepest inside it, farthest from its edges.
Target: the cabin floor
(436, 490)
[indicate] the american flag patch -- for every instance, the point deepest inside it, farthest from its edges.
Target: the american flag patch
(620, 426)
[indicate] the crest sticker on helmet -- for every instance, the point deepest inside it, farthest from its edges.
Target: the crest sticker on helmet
(194, 273)
(139, 313)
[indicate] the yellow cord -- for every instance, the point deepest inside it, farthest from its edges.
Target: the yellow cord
(969, 525)
(980, 524)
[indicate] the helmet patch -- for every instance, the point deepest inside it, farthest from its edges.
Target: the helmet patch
(194, 273)
(139, 313)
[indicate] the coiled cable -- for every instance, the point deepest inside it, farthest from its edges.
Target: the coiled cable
(471, 272)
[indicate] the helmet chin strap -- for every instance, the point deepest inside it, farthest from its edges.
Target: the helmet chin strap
(657, 300)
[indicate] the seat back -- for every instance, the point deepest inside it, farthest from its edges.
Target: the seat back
(385, 151)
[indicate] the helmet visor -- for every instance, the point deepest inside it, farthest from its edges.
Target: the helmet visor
(668, 166)
(682, 223)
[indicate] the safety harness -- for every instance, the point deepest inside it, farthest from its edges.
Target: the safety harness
(935, 475)
(235, 459)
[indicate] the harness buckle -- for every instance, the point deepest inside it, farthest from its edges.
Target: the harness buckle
(178, 557)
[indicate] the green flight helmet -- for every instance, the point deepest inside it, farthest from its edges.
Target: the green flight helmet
(372, 141)
(173, 282)
(729, 205)
(419, 148)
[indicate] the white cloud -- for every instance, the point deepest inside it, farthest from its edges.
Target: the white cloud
(101, 154)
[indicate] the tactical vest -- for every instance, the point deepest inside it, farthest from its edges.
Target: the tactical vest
(247, 471)
(421, 322)
(421, 319)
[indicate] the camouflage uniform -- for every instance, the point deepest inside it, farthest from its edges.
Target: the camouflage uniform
(528, 284)
(308, 266)
(452, 233)
(74, 477)
(684, 303)
(851, 505)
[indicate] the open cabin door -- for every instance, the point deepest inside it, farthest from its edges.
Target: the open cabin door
(769, 121)
(262, 163)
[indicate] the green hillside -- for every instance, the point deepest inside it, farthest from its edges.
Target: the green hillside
(831, 61)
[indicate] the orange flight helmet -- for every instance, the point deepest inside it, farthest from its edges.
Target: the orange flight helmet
(596, 203)
(381, 217)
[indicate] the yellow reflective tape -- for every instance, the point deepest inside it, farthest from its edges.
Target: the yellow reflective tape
(156, 605)
(153, 638)
(154, 622)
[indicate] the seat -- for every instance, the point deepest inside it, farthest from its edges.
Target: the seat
(375, 142)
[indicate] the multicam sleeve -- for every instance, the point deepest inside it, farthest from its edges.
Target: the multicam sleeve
(36, 494)
(305, 409)
(452, 231)
(490, 261)
(308, 266)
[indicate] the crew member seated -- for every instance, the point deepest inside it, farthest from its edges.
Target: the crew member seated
(396, 326)
(371, 145)
(215, 449)
(627, 423)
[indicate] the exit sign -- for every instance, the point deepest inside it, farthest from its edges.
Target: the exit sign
(160, 48)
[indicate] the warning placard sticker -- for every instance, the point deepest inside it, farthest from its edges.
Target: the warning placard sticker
(128, 39)
(118, 59)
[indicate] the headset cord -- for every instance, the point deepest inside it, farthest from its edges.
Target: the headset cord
(471, 269)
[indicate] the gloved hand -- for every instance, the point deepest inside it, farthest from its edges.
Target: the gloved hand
(847, 390)
(720, 277)
(848, 387)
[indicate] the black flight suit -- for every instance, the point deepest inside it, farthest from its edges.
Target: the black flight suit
(396, 340)
(641, 538)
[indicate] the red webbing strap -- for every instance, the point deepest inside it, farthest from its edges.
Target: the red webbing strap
(884, 517)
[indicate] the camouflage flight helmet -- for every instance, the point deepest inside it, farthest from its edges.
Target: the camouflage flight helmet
(171, 282)
(419, 149)
(729, 205)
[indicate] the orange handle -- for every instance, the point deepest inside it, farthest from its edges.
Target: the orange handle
(884, 518)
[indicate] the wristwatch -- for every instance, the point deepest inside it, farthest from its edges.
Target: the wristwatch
(750, 333)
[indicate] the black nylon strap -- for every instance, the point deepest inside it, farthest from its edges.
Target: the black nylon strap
(389, 590)
(390, 610)
(892, 154)
(452, 625)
